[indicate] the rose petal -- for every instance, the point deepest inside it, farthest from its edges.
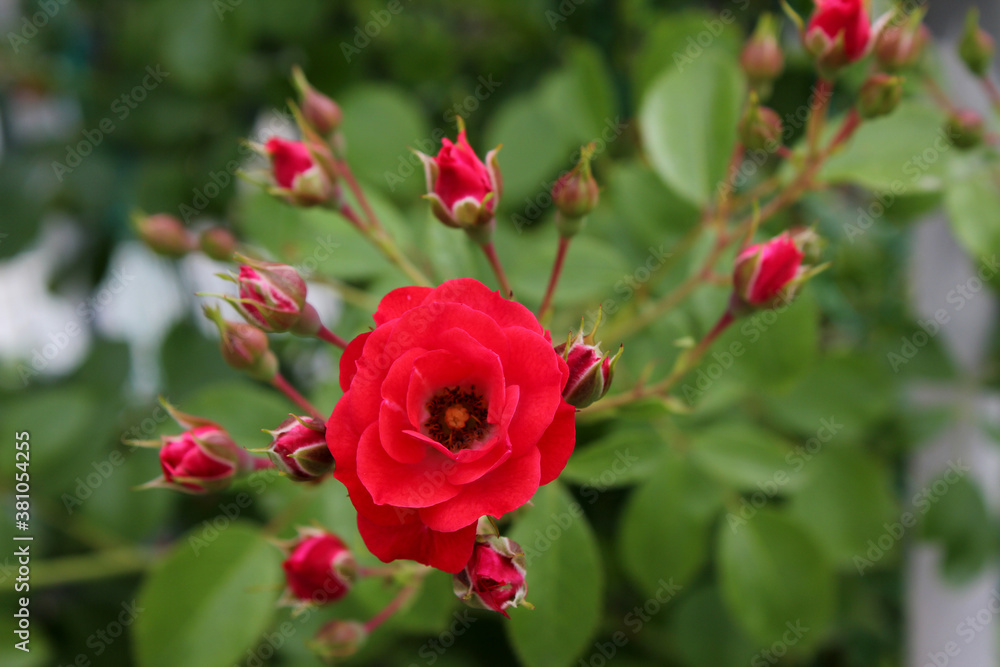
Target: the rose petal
(399, 301)
(393, 483)
(447, 551)
(557, 443)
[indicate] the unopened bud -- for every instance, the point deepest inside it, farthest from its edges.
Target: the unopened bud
(880, 95)
(272, 296)
(339, 639)
(965, 129)
(319, 110)
(218, 243)
(163, 233)
(575, 193)
(900, 46)
(590, 370)
(760, 128)
(762, 58)
(319, 568)
(298, 178)
(244, 347)
(494, 577)
(299, 449)
(976, 47)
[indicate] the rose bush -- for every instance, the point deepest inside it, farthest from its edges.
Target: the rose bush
(452, 410)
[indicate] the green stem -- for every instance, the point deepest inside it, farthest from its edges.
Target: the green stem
(88, 567)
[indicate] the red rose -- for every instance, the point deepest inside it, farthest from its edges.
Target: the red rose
(766, 272)
(838, 32)
(463, 190)
(319, 567)
(452, 410)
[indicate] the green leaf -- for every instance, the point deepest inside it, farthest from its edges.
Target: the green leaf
(207, 603)
(381, 124)
(845, 501)
(689, 119)
(620, 459)
(744, 456)
(972, 200)
(565, 581)
(773, 574)
(664, 533)
(704, 634)
(903, 152)
(960, 522)
(780, 345)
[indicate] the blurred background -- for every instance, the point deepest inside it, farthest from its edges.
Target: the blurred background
(108, 107)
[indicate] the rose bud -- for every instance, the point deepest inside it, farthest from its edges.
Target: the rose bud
(494, 578)
(575, 194)
(218, 243)
(965, 129)
(163, 233)
(770, 273)
(201, 459)
(900, 46)
(977, 46)
(339, 639)
(761, 127)
(272, 296)
(244, 347)
(590, 370)
(300, 180)
(319, 568)
(463, 190)
(838, 33)
(880, 95)
(319, 110)
(299, 449)
(762, 58)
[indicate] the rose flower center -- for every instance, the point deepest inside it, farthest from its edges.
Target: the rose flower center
(457, 418)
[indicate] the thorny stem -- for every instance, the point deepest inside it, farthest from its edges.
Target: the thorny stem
(491, 255)
(556, 272)
(282, 384)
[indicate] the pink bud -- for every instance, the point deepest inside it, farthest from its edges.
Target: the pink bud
(301, 180)
(272, 296)
(765, 273)
(319, 568)
(339, 639)
(576, 194)
(838, 33)
(494, 578)
(218, 243)
(163, 233)
(590, 371)
(319, 110)
(244, 346)
(299, 449)
(762, 58)
(200, 460)
(965, 128)
(900, 46)
(462, 189)
(880, 95)
(761, 127)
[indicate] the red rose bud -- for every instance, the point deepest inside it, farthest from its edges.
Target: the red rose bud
(495, 575)
(762, 58)
(163, 233)
(299, 449)
(244, 347)
(272, 296)
(463, 190)
(760, 128)
(590, 371)
(767, 274)
(976, 47)
(575, 193)
(900, 46)
(319, 568)
(966, 129)
(218, 243)
(880, 95)
(339, 639)
(319, 110)
(300, 180)
(838, 33)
